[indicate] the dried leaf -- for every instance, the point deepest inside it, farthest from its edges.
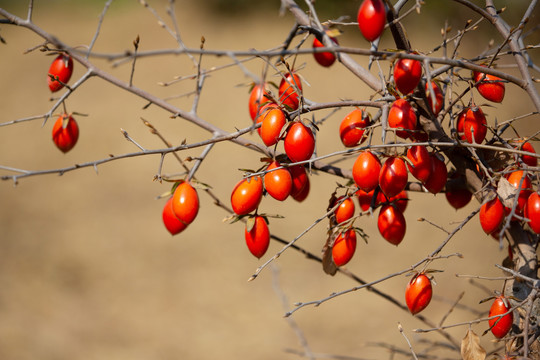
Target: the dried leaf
(507, 192)
(250, 223)
(327, 261)
(471, 348)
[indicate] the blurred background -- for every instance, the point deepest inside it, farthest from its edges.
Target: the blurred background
(87, 269)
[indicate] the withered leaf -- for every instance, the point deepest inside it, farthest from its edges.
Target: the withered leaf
(471, 348)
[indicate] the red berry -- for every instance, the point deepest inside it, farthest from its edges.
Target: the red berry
(273, 119)
(325, 58)
(391, 224)
(185, 202)
(303, 194)
(532, 212)
(257, 237)
(61, 70)
(371, 19)
(436, 181)
(288, 94)
(299, 180)
(247, 195)
(366, 171)
(365, 198)
(279, 182)
(491, 215)
(351, 129)
(171, 222)
(257, 99)
(420, 159)
(345, 210)
(457, 194)
(393, 176)
(500, 326)
(514, 178)
(407, 74)
(489, 86)
(418, 293)
(474, 122)
(344, 247)
(439, 98)
(65, 132)
(402, 116)
(299, 142)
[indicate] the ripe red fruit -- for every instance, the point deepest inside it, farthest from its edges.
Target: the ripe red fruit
(325, 58)
(351, 129)
(371, 19)
(345, 210)
(299, 179)
(171, 222)
(439, 98)
(407, 74)
(474, 122)
(420, 159)
(402, 116)
(303, 194)
(436, 181)
(273, 119)
(391, 224)
(514, 178)
(491, 215)
(279, 182)
(393, 176)
(489, 86)
(460, 124)
(257, 236)
(65, 132)
(257, 99)
(400, 200)
(418, 293)
(526, 146)
(532, 212)
(185, 203)
(366, 171)
(247, 195)
(365, 198)
(287, 91)
(299, 142)
(60, 70)
(500, 326)
(344, 247)
(457, 194)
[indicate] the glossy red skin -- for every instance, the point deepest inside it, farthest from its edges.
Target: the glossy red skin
(185, 203)
(273, 119)
(287, 91)
(436, 181)
(418, 293)
(345, 210)
(393, 176)
(514, 178)
(458, 197)
(439, 98)
(258, 239)
(278, 183)
(526, 146)
(532, 212)
(499, 328)
(61, 67)
(402, 115)
(299, 179)
(365, 198)
(407, 75)
(299, 142)
(491, 215)
(246, 195)
(171, 222)
(351, 129)
(65, 138)
(400, 200)
(257, 99)
(366, 171)
(419, 157)
(460, 124)
(303, 194)
(475, 121)
(371, 19)
(344, 247)
(326, 58)
(491, 87)
(391, 224)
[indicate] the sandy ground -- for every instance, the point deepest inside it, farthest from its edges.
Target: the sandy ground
(87, 270)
